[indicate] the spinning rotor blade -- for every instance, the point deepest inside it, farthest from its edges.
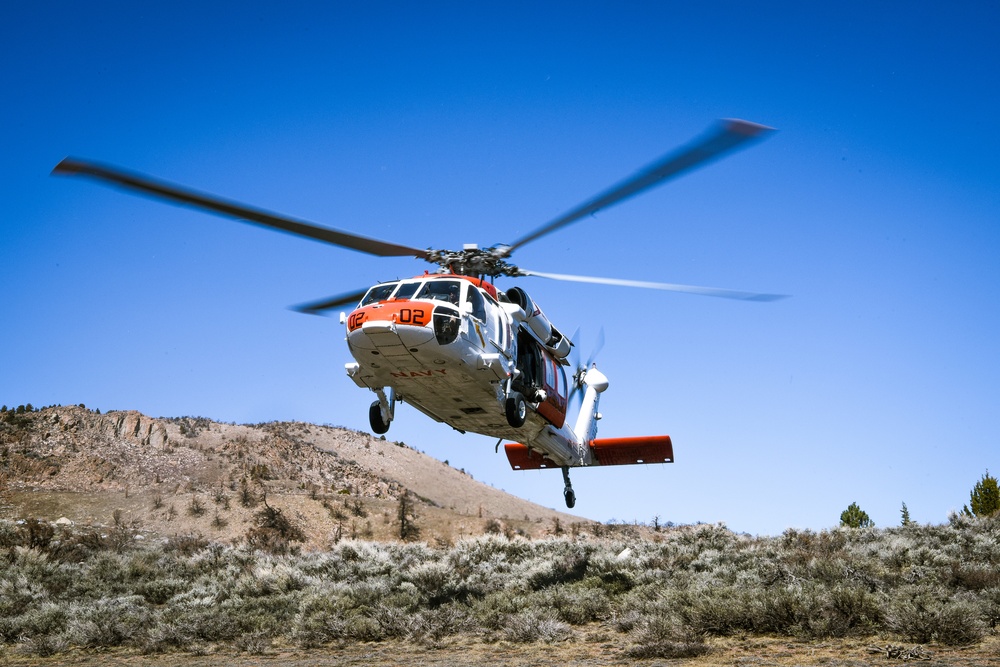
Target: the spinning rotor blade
(598, 346)
(317, 307)
(688, 289)
(727, 136)
(179, 195)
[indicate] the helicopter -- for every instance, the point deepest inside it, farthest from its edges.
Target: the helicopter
(463, 352)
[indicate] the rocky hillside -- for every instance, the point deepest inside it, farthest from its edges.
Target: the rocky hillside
(195, 476)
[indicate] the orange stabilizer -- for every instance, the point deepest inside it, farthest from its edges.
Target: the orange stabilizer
(625, 451)
(523, 458)
(607, 451)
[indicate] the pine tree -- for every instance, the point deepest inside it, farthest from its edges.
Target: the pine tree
(905, 513)
(984, 497)
(408, 530)
(855, 517)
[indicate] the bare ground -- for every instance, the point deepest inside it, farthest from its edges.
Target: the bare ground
(74, 463)
(590, 648)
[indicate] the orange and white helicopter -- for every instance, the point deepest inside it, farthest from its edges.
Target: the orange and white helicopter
(463, 352)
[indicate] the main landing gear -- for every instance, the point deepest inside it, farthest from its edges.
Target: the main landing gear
(516, 410)
(568, 491)
(380, 413)
(375, 419)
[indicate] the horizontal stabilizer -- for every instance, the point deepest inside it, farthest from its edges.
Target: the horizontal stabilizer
(625, 451)
(607, 452)
(522, 457)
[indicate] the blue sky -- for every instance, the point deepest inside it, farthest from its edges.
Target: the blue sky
(875, 206)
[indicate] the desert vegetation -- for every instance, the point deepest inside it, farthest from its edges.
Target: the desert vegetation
(296, 537)
(660, 596)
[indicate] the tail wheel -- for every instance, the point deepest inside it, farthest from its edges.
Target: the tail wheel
(568, 493)
(375, 419)
(517, 410)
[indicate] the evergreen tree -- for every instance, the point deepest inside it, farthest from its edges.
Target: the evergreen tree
(984, 497)
(408, 530)
(905, 513)
(855, 517)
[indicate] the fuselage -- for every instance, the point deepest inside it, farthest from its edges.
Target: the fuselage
(454, 348)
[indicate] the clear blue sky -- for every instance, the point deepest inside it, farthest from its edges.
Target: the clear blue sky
(436, 124)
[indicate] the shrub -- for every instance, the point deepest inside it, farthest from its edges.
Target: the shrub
(273, 532)
(662, 637)
(254, 643)
(109, 622)
(44, 646)
(196, 507)
(533, 626)
(578, 604)
(923, 615)
(430, 626)
(564, 569)
(321, 619)
(247, 497)
(185, 545)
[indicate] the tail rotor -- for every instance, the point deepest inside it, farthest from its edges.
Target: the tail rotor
(580, 372)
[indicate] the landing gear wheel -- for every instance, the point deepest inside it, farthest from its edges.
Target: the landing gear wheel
(517, 410)
(375, 419)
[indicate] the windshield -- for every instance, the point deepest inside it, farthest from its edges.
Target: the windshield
(441, 290)
(378, 293)
(406, 290)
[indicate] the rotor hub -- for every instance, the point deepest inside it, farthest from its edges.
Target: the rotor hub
(474, 261)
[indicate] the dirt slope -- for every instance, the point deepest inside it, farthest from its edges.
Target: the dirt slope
(195, 476)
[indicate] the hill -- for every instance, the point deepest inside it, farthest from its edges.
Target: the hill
(187, 475)
(598, 596)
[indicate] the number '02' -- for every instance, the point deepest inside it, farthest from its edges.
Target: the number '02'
(410, 316)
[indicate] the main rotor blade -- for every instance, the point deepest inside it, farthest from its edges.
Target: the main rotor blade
(318, 307)
(725, 137)
(180, 195)
(688, 289)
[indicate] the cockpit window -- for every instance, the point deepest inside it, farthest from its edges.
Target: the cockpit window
(406, 290)
(378, 293)
(441, 290)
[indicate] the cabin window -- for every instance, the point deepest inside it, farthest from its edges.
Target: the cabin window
(378, 293)
(498, 325)
(550, 375)
(441, 290)
(478, 303)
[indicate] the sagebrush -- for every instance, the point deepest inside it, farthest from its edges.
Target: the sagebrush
(62, 588)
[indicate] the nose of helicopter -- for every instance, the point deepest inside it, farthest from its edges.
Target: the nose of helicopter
(391, 326)
(404, 313)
